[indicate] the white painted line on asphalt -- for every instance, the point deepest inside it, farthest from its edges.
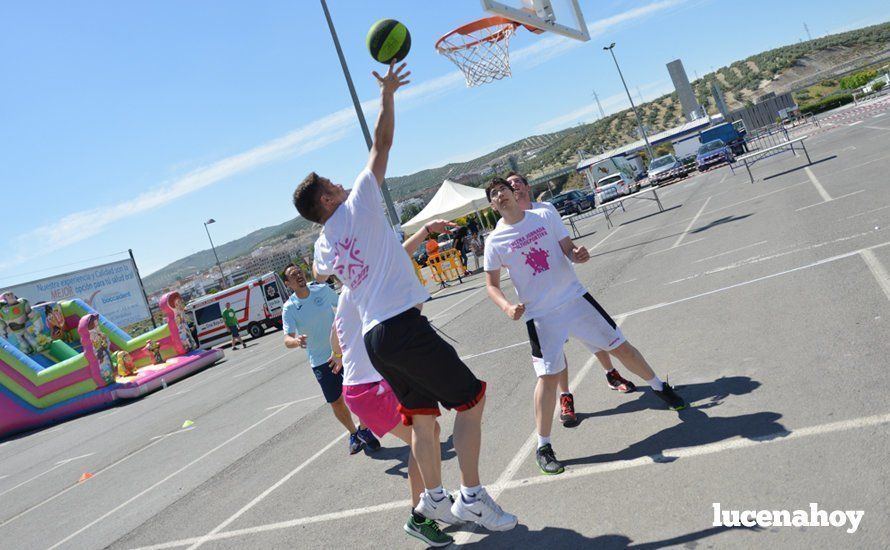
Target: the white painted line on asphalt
(465, 357)
(759, 259)
(866, 212)
(164, 480)
(877, 128)
(190, 428)
(729, 252)
(674, 247)
(849, 148)
(726, 175)
(711, 448)
(879, 115)
(165, 397)
(815, 181)
(452, 306)
(604, 239)
(4, 477)
(752, 281)
(688, 227)
(245, 373)
(289, 403)
(112, 413)
(266, 493)
(59, 464)
(855, 123)
(832, 200)
(47, 432)
(877, 269)
(627, 282)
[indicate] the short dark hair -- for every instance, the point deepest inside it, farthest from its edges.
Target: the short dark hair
(495, 182)
(518, 175)
(307, 197)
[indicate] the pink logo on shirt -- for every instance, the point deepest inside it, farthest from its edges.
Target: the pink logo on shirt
(349, 266)
(537, 259)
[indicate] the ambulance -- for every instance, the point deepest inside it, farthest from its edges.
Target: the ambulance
(257, 303)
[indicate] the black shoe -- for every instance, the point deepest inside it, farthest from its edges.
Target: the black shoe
(547, 461)
(669, 396)
(365, 436)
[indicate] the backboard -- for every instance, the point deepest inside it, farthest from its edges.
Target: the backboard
(557, 16)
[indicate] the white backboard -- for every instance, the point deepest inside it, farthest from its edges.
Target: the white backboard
(557, 16)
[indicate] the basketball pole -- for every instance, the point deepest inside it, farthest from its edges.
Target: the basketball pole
(390, 207)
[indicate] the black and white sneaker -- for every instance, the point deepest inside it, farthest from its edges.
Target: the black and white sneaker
(547, 461)
(669, 396)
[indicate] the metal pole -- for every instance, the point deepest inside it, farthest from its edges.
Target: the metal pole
(215, 255)
(387, 198)
(632, 106)
(142, 287)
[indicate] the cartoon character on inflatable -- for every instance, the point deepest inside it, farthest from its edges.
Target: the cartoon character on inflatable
(185, 335)
(56, 321)
(102, 348)
(154, 349)
(125, 364)
(16, 312)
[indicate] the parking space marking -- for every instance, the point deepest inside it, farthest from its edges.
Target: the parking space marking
(855, 123)
(190, 428)
(58, 465)
(877, 269)
(454, 305)
(691, 223)
(157, 484)
(473, 356)
(879, 115)
(866, 212)
(674, 247)
(569, 474)
(832, 200)
(289, 403)
(815, 181)
(730, 251)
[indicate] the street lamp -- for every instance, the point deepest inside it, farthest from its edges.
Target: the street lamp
(208, 222)
(610, 48)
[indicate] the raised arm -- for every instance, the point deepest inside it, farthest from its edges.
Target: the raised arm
(415, 240)
(493, 286)
(383, 131)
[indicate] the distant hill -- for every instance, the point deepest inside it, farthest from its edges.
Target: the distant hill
(784, 69)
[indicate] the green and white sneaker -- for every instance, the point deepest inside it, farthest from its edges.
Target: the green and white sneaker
(428, 531)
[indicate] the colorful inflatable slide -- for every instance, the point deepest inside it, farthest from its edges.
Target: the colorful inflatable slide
(63, 359)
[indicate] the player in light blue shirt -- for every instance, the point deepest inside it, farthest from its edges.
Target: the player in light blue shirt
(308, 317)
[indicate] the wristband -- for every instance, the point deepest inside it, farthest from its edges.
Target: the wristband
(337, 355)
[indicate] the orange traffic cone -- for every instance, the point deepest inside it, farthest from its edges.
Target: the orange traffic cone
(85, 476)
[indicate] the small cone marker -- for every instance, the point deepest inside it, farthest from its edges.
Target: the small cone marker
(84, 477)
(188, 424)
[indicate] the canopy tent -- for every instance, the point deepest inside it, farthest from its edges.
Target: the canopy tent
(451, 201)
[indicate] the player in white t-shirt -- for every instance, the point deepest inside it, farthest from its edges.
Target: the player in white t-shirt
(613, 378)
(358, 245)
(535, 247)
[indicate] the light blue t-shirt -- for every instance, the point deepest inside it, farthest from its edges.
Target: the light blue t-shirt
(312, 316)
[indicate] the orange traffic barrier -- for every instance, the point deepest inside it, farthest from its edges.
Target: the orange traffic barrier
(418, 272)
(446, 266)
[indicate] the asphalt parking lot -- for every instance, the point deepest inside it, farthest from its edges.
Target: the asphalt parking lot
(767, 304)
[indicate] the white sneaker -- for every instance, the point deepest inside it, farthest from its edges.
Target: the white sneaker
(484, 511)
(439, 511)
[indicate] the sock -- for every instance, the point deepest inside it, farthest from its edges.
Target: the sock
(611, 371)
(565, 393)
(656, 383)
(419, 518)
(437, 493)
(470, 493)
(543, 440)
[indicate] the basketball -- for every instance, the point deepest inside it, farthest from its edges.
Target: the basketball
(387, 40)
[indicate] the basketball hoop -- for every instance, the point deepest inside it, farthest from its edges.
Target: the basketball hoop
(481, 49)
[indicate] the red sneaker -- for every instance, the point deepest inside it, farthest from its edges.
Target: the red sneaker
(618, 382)
(567, 410)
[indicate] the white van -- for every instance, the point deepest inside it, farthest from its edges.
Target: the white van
(257, 303)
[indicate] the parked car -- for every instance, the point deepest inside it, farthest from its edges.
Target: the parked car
(713, 153)
(664, 169)
(571, 202)
(613, 186)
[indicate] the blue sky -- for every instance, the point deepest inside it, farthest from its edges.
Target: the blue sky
(126, 125)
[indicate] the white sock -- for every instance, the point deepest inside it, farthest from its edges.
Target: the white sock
(470, 494)
(565, 393)
(543, 440)
(436, 493)
(656, 383)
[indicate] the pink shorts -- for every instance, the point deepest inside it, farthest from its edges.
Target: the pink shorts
(375, 405)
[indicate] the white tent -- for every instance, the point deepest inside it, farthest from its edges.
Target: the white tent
(451, 201)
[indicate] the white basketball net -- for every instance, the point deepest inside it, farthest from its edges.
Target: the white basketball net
(482, 55)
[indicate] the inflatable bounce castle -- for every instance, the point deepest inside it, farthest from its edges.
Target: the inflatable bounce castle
(63, 359)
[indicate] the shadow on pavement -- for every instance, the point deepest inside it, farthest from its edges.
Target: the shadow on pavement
(721, 221)
(815, 162)
(555, 537)
(400, 454)
(647, 216)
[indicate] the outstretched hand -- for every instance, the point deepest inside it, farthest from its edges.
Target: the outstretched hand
(393, 79)
(439, 226)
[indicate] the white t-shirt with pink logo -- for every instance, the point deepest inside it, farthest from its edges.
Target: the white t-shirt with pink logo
(358, 245)
(357, 367)
(543, 276)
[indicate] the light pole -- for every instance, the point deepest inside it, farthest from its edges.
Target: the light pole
(610, 48)
(208, 222)
(390, 207)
